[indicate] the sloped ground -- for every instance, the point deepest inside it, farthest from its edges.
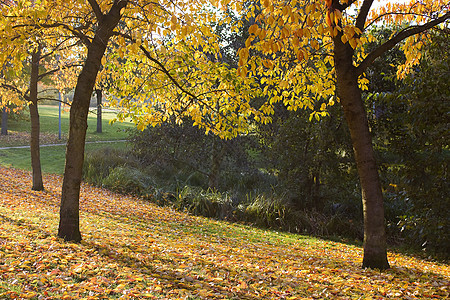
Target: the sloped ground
(132, 249)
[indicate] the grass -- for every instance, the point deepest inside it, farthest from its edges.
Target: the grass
(132, 249)
(48, 116)
(52, 158)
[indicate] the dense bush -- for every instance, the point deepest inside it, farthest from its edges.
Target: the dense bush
(98, 164)
(183, 154)
(119, 172)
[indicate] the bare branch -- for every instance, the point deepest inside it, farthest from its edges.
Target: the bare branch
(396, 39)
(54, 100)
(84, 38)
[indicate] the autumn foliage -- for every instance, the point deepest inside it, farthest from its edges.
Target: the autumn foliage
(134, 249)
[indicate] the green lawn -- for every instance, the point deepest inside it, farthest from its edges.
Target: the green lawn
(53, 157)
(48, 116)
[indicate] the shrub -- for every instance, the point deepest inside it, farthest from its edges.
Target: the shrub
(207, 203)
(99, 163)
(128, 180)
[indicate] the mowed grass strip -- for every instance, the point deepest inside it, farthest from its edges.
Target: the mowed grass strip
(19, 128)
(132, 249)
(53, 158)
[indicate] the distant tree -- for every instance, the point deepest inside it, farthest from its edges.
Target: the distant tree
(23, 76)
(99, 95)
(4, 120)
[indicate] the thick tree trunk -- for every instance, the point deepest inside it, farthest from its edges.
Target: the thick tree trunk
(69, 223)
(38, 184)
(99, 110)
(4, 121)
(375, 255)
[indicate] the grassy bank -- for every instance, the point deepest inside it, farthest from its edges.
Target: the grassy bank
(132, 249)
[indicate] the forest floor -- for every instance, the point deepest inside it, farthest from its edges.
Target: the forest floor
(133, 249)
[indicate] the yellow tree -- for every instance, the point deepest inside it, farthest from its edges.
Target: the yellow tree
(92, 24)
(26, 59)
(312, 54)
(147, 79)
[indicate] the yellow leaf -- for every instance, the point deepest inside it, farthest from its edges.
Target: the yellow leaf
(262, 34)
(252, 29)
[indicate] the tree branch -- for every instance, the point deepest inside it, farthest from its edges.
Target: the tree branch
(97, 11)
(58, 47)
(396, 39)
(343, 7)
(15, 90)
(362, 16)
(161, 67)
(58, 69)
(84, 38)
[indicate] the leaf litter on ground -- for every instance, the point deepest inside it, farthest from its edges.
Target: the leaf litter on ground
(133, 249)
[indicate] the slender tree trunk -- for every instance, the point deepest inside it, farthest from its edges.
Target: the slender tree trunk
(375, 255)
(38, 184)
(99, 110)
(69, 223)
(216, 159)
(4, 121)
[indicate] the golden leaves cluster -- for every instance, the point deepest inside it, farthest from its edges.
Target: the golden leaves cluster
(292, 47)
(164, 60)
(405, 13)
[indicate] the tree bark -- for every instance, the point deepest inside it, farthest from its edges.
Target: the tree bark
(216, 159)
(69, 223)
(38, 184)
(4, 121)
(99, 110)
(375, 255)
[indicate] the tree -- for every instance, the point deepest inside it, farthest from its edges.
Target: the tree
(52, 20)
(4, 121)
(69, 211)
(314, 53)
(98, 92)
(163, 72)
(27, 62)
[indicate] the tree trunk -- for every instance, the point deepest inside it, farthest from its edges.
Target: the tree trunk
(69, 223)
(38, 184)
(4, 121)
(216, 159)
(375, 255)
(99, 110)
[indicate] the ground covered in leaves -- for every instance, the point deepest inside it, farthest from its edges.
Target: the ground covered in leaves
(19, 138)
(132, 249)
